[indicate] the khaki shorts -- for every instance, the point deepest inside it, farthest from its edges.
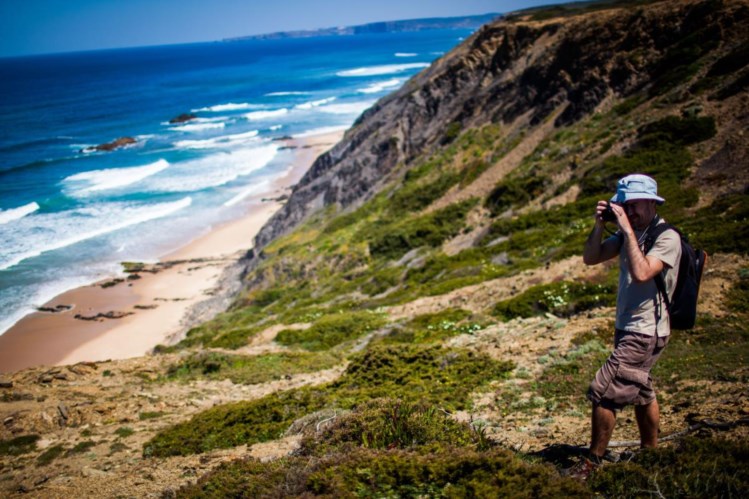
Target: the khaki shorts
(625, 377)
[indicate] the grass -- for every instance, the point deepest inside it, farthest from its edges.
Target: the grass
(50, 455)
(81, 447)
(19, 445)
(395, 239)
(146, 415)
(563, 299)
(248, 370)
(124, 432)
(436, 327)
(389, 448)
(711, 467)
(331, 330)
(429, 374)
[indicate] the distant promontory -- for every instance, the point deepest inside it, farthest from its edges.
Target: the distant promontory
(469, 22)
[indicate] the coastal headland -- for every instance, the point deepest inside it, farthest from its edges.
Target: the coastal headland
(128, 315)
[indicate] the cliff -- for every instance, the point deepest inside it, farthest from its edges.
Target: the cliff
(512, 72)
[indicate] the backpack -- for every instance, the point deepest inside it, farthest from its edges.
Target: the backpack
(683, 309)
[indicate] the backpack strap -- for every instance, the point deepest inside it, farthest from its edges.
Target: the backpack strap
(653, 234)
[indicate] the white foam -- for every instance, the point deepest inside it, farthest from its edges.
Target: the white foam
(48, 291)
(314, 103)
(275, 127)
(54, 231)
(280, 94)
(382, 70)
(405, 54)
(320, 131)
(348, 108)
(254, 189)
(264, 115)
(379, 87)
(17, 213)
(198, 127)
(112, 178)
(212, 170)
(218, 142)
(229, 106)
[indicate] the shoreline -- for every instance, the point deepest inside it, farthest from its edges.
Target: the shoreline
(125, 316)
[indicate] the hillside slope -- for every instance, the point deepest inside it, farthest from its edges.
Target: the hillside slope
(417, 320)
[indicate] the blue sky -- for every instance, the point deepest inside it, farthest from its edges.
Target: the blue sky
(46, 26)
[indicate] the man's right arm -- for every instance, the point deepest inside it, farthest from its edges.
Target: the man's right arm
(595, 250)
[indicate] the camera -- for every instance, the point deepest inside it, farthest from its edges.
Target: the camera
(608, 214)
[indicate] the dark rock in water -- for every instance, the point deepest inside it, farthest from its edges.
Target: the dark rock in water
(182, 118)
(284, 137)
(111, 146)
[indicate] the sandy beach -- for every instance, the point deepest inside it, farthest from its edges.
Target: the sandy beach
(127, 316)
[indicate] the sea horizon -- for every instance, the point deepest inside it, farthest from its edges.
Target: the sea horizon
(69, 215)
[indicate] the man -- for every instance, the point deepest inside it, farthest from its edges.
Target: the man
(642, 322)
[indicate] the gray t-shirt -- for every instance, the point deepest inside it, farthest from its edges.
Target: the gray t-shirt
(639, 306)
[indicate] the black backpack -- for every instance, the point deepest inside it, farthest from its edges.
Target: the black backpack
(683, 309)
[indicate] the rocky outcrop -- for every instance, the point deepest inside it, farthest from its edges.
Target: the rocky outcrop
(182, 118)
(111, 146)
(510, 70)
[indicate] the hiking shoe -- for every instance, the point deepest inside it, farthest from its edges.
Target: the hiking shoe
(582, 470)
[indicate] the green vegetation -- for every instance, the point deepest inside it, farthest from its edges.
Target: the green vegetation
(331, 330)
(397, 238)
(711, 467)
(714, 350)
(18, 445)
(429, 374)
(124, 432)
(436, 327)
(738, 295)
(50, 455)
(81, 447)
(562, 299)
(146, 415)
(249, 370)
(390, 424)
(388, 448)
(513, 192)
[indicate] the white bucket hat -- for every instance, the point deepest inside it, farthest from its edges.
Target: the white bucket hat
(636, 186)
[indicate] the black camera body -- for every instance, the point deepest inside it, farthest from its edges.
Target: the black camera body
(608, 214)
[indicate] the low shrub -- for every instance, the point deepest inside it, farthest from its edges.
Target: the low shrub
(392, 423)
(332, 330)
(18, 445)
(50, 454)
(429, 375)
(241, 369)
(562, 299)
(710, 467)
(81, 447)
(395, 239)
(455, 472)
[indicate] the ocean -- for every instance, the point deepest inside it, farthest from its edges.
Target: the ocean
(70, 215)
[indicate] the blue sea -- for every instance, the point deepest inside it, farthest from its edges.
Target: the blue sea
(69, 216)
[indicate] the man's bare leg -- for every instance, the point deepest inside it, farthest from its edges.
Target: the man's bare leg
(648, 421)
(603, 422)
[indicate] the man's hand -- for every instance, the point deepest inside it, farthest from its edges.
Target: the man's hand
(622, 221)
(596, 251)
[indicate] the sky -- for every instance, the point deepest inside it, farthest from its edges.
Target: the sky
(47, 26)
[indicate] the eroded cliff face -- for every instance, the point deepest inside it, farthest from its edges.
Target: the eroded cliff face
(514, 71)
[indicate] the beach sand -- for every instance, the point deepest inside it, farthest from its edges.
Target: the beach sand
(160, 306)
